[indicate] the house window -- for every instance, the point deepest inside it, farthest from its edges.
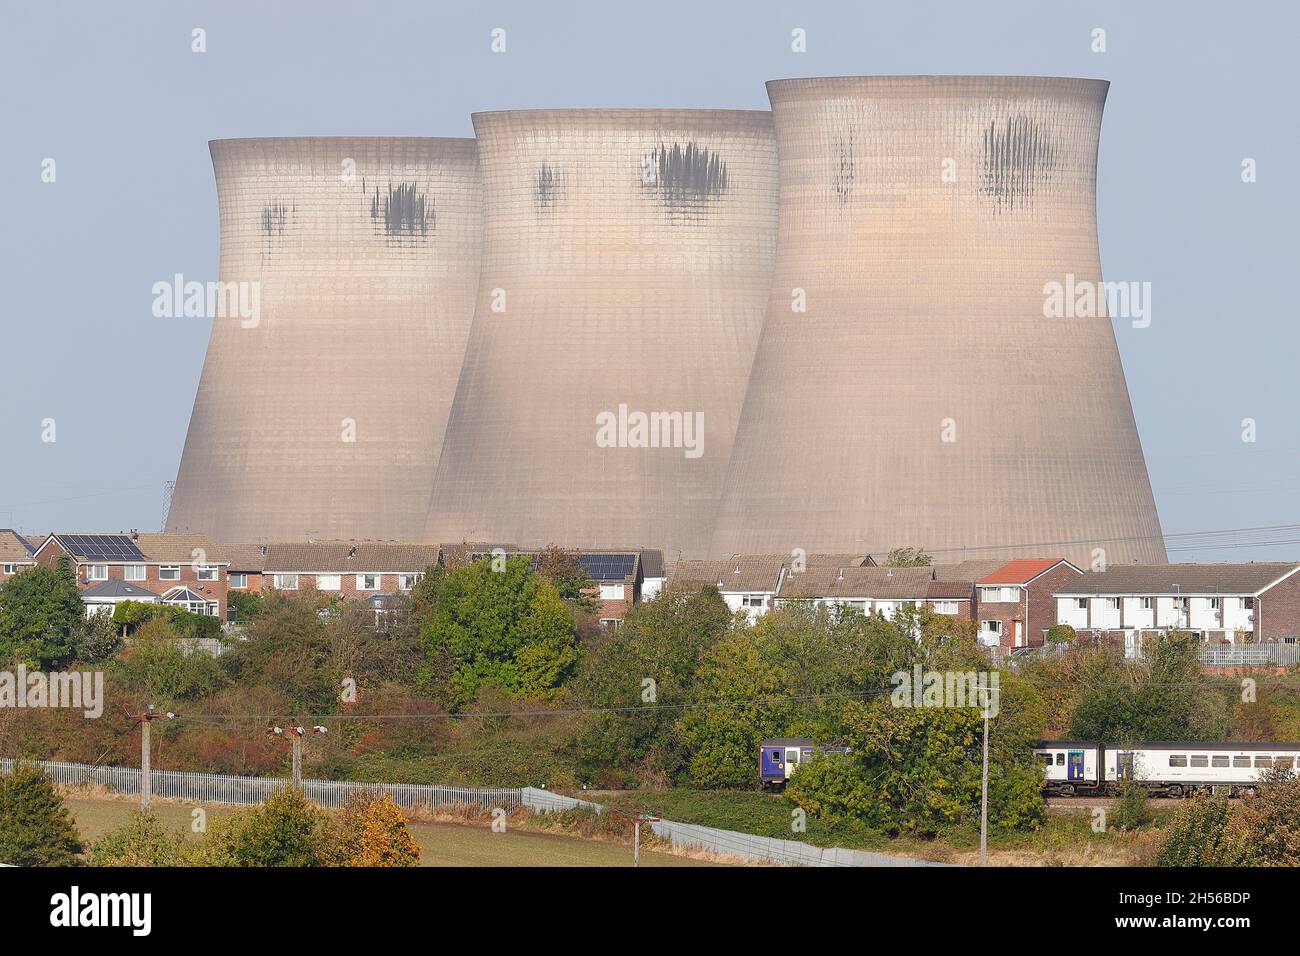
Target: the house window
(169, 572)
(329, 582)
(407, 581)
(753, 600)
(1148, 603)
(1180, 603)
(207, 572)
(611, 592)
(945, 607)
(238, 580)
(1112, 603)
(7, 569)
(284, 582)
(367, 582)
(1248, 603)
(133, 572)
(992, 627)
(1216, 604)
(1082, 603)
(97, 572)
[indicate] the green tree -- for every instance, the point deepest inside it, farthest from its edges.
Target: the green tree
(908, 558)
(503, 627)
(288, 650)
(1163, 696)
(917, 770)
(41, 616)
(36, 828)
(548, 654)
(1061, 634)
(637, 678)
(141, 841)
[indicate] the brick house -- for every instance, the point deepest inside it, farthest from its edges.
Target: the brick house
(1015, 604)
(345, 569)
(16, 554)
(187, 570)
(1219, 602)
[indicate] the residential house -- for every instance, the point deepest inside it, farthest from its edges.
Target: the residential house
(1219, 602)
(747, 584)
(187, 570)
(1015, 604)
(653, 574)
(346, 569)
(16, 554)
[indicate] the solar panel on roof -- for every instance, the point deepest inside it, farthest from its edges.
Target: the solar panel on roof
(104, 547)
(608, 567)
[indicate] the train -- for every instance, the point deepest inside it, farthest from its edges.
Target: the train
(1071, 768)
(779, 757)
(1176, 768)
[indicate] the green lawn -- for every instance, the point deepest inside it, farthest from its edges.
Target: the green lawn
(441, 844)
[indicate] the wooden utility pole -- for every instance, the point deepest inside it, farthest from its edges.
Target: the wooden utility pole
(146, 781)
(984, 783)
(636, 834)
(146, 785)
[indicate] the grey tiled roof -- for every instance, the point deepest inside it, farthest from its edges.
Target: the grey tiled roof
(349, 557)
(1179, 579)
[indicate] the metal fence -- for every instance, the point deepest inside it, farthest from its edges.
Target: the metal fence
(219, 788)
(744, 846)
(1250, 655)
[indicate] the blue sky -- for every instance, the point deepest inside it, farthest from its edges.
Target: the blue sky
(113, 93)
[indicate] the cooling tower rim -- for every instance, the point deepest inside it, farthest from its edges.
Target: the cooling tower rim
(956, 83)
(235, 141)
(719, 119)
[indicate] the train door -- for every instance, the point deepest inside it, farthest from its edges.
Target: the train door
(1124, 765)
(1074, 769)
(791, 760)
(773, 763)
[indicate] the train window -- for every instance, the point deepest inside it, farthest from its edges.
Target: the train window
(1047, 759)
(1060, 760)
(1200, 760)
(1177, 760)
(1263, 761)
(1217, 761)
(1283, 763)
(1241, 761)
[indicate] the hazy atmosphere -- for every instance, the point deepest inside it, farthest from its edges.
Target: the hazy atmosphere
(114, 95)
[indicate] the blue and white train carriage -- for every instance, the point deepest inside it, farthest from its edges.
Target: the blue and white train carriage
(780, 757)
(1167, 768)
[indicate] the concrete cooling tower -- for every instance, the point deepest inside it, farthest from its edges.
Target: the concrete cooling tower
(626, 265)
(323, 416)
(909, 389)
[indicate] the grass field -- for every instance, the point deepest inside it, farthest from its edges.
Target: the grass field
(441, 844)
(1066, 836)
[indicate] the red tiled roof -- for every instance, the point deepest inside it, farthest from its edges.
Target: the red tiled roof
(1020, 571)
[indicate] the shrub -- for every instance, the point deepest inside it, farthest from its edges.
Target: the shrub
(141, 841)
(1199, 836)
(36, 828)
(286, 830)
(370, 830)
(1132, 811)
